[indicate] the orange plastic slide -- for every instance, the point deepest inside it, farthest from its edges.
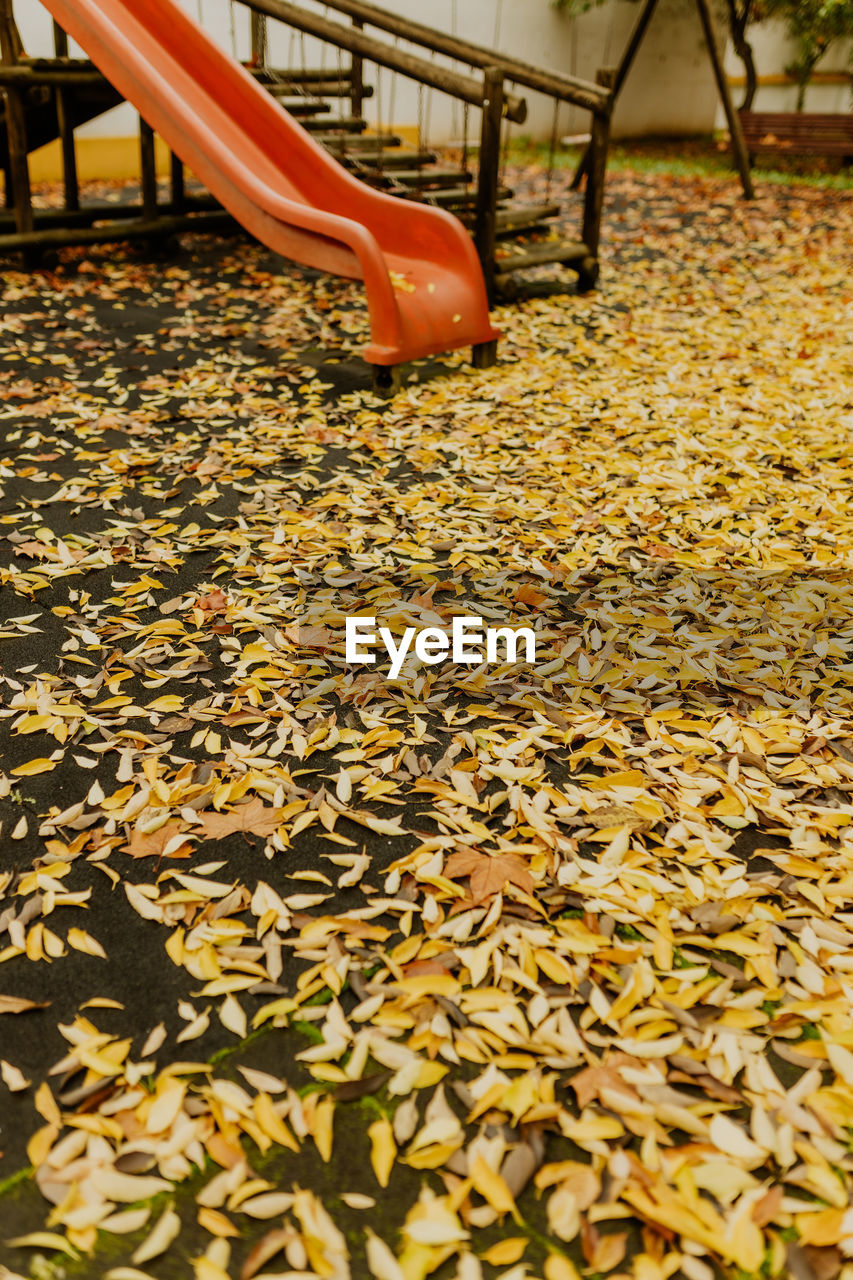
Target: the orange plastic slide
(425, 289)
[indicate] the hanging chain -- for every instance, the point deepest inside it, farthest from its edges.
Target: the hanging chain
(392, 97)
(340, 81)
(498, 22)
(421, 118)
(552, 149)
(466, 109)
(379, 112)
(323, 46)
(428, 108)
(609, 37)
(454, 103)
(505, 141)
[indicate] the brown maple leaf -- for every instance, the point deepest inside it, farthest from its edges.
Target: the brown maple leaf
(214, 602)
(34, 550)
(254, 817)
(488, 873)
(310, 637)
(153, 844)
(589, 1083)
(528, 594)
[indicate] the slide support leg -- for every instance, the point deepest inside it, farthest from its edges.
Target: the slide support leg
(485, 354)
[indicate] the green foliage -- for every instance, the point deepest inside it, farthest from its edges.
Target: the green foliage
(814, 25)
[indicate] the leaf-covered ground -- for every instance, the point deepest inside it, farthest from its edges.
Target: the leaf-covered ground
(529, 971)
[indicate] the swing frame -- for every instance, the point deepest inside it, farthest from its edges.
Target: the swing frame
(620, 72)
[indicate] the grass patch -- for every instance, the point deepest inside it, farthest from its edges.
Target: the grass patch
(15, 1180)
(695, 158)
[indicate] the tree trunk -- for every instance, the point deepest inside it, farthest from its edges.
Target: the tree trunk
(810, 56)
(738, 21)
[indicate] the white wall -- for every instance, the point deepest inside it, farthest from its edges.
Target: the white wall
(670, 89)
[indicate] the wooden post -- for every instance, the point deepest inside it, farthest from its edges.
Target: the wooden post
(148, 170)
(357, 78)
(259, 40)
(66, 129)
(18, 173)
(178, 184)
(625, 64)
(594, 194)
(738, 145)
(485, 221)
(60, 41)
(13, 48)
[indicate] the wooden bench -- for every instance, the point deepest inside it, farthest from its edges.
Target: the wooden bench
(798, 132)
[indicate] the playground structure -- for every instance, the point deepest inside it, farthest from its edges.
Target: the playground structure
(288, 154)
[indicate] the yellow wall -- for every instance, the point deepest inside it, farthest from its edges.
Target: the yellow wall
(105, 158)
(97, 158)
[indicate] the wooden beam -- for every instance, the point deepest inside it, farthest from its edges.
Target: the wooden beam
(179, 196)
(594, 194)
(466, 88)
(738, 145)
(66, 129)
(21, 76)
(70, 179)
(485, 225)
(18, 172)
(621, 75)
(60, 41)
(148, 170)
(113, 214)
(144, 229)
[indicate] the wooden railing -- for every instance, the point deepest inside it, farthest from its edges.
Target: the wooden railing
(565, 88)
(352, 38)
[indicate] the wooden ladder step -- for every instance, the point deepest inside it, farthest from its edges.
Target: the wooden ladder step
(301, 75)
(300, 107)
(459, 197)
(362, 147)
(524, 217)
(328, 132)
(538, 255)
(405, 160)
(424, 178)
(322, 89)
